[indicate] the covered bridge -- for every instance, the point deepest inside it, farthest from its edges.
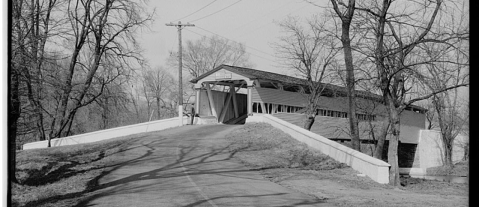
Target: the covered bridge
(231, 93)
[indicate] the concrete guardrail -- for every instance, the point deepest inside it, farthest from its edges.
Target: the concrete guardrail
(109, 133)
(376, 169)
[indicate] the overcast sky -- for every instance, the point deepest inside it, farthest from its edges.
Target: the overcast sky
(251, 22)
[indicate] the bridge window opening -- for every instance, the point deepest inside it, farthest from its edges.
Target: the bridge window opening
(340, 114)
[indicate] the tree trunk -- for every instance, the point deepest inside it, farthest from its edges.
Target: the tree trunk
(105, 114)
(447, 146)
(67, 118)
(14, 113)
(309, 122)
(346, 18)
(69, 128)
(378, 151)
(13, 82)
(393, 158)
(60, 116)
(158, 111)
(466, 151)
(59, 121)
(49, 140)
(34, 83)
(350, 83)
(393, 145)
(192, 115)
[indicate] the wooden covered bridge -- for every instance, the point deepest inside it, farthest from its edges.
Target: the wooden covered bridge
(228, 94)
(231, 93)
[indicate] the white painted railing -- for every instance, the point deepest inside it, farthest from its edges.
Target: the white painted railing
(376, 169)
(109, 133)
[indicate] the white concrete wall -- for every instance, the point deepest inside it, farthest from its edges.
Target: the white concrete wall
(376, 169)
(411, 124)
(430, 149)
(109, 133)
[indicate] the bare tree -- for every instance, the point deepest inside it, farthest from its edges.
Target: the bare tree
(158, 83)
(207, 53)
(346, 14)
(449, 105)
(309, 50)
(135, 101)
(39, 31)
(113, 105)
(14, 83)
(399, 32)
(465, 131)
(22, 37)
(103, 38)
(148, 98)
(31, 27)
(431, 118)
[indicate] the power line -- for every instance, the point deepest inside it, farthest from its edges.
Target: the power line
(180, 91)
(236, 42)
(196, 11)
(233, 41)
(216, 11)
(267, 14)
(246, 32)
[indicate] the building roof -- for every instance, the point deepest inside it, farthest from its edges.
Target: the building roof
(254, 74)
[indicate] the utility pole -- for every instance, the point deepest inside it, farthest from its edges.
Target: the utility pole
(180, 68)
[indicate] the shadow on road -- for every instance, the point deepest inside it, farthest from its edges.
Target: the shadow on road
(178, 154)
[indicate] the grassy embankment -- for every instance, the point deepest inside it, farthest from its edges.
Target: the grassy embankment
(63, 176)
(262, 146)
(284, 160)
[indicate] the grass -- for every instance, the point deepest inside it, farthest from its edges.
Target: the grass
(458, 169)
(62, 176)
(261, 146)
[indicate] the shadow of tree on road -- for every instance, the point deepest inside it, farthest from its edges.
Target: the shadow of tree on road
(298, 203)
(189, 159)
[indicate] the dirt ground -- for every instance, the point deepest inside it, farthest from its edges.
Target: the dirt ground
(263, 147)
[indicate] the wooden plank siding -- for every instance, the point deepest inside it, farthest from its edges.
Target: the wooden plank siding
(210, 101)
(274, 96)
(219, 99)
(224, 109)
(213, 78)
(204, 106)
(341, 104)
(287, 98)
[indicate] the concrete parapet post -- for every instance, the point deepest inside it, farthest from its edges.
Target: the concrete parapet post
(250, 99)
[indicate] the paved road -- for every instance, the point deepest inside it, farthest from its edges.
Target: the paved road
(190, 166)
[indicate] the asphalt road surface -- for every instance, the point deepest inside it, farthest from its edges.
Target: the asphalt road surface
(190, 166)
